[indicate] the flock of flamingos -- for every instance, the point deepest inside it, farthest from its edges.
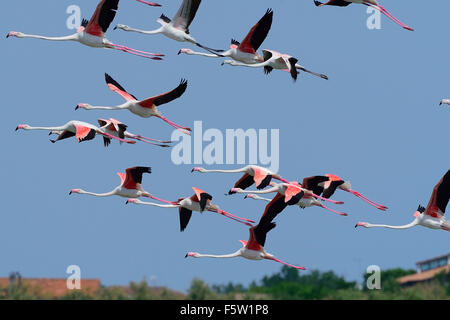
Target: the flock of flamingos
(313, 191)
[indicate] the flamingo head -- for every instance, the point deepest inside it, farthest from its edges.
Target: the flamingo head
(198, 169)
(230, 62)
(192, 254)
(362, 224)
(123, 27)
(131, 201)
(185, 51)
(75, 191)
(419, 211)
(250, 195)
(23, 127)
(83, 106)
(14, 34)
(234, 190)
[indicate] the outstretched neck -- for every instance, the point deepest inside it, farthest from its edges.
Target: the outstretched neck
(120, 107)
(156, 31)
(226, 171)
(231, 255)
(107, 194)
(406, 226)
(45, 128)
(72, 37)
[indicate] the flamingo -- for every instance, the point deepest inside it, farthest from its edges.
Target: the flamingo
(143, 108)
(444, 101)
(275, 60)
(92, 32)
(246, 51)
(291, 192)
(177, 28)
(118, 129)
(199, 202)
(305, 202)
(252, 174)
(82, 131)
(130, 186)
(253, 249)
(370, 3)
(432, 216)
(329, 183)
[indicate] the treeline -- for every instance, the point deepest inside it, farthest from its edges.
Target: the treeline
(288, 284)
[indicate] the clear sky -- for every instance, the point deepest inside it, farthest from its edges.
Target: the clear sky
(376, 122)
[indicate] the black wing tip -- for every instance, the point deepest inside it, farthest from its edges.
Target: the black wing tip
(421, 209)
(317, 3)
(165, 18)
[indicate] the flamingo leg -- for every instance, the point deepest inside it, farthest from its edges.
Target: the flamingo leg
(150, 139)
(384, 11)
(116, 138)
(176, 126)
(372, 203)
(327, 200)
(162, 200)
(153, 56)
(233, 217)
(285, 263)
(152, 143)
(153, 4)
(338, 212)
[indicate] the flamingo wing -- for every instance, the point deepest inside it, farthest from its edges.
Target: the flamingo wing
(165, 97)
(261, 231)
(202, 197)
(84, 133)
(113, 85)
(234, 44)
(293, 194)
(439, 198)
(252, 243)
(312, 183)
(273, 208)
(257, 34)
(134, 177)
(186, 14)
(328, 192)
(185, 216)
(102, 18)
(262, 177)
(244, 182)
(338, 3)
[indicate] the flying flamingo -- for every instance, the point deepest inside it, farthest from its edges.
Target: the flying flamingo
(130, 186)
(199, 202)
(143, 108)
(275, 60)
(82, 131)
(252, 174)
(431, 217)
(444, 101)
(292, 193)
(118, 129)
(329, 183)
(370, 3)
(177, 28)
(253, 249)
(305, 202)
(92, 32)
(247, 50)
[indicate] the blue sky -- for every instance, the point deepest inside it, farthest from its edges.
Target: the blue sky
(376, 122)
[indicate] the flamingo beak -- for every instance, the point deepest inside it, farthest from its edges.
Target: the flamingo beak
(77, 107)
(115, 28)
(222, 63)
(186, 255)
(17, 128)
(70, 193)
(179, 52)
(8, 35)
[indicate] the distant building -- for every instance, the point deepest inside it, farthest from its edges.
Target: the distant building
(53, 288)
(427, 270)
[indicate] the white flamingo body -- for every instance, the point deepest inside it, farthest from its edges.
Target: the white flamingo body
(92, 33)
(130, 186)
(253, 249)
(432, 216)
(278, 61)
(83, 131)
